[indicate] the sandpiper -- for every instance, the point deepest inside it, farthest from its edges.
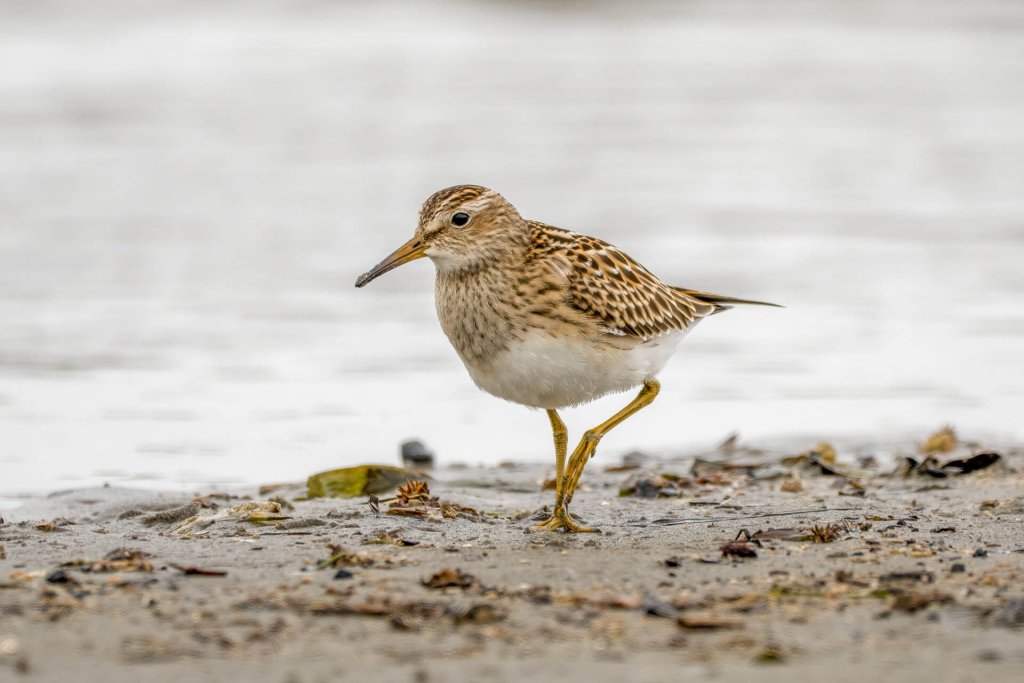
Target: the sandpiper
(548, 318)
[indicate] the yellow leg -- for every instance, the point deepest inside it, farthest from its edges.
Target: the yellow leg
(584, 451)
(561, 435)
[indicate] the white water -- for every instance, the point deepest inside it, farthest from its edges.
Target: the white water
(188, 193)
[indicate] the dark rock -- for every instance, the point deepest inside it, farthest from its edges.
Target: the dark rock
(59, 576)
(980, 552)
(416, 454)
(343, 574)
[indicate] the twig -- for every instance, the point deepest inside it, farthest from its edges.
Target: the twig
(697, 520)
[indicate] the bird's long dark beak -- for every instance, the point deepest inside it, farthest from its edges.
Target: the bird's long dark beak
(410, 251)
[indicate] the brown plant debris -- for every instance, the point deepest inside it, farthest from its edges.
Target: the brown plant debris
(741, 546)
(120, 560)
(647, 485)
(707, 621)
(198, 571)
(171, 515)
(385, 537)
(343, 557)
(942, 441)
(451, 578)
(259, 512)
(414, 500)
(916, 600)
(792, 484)
(413, 492)
(826, 533)
(930, 466)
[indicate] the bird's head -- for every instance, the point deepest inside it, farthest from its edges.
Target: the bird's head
(460, 228)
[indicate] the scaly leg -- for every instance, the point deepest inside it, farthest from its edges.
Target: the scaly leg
(561, 436)
(583, 452)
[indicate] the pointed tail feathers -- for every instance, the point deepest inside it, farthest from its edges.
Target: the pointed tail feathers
(721, 302)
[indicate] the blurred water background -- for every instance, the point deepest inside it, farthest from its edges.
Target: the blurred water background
(189, 189)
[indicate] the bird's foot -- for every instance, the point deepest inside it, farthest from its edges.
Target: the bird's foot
(561, 520)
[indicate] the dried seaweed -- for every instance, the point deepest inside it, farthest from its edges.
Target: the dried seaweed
(119, 560)
(451, 578)
(352, 482)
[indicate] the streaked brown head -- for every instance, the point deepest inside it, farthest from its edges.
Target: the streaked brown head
(460, 227)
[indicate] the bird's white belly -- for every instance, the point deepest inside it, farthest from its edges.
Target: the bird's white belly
(542, 371)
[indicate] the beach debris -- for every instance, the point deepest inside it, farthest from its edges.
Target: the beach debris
(930, 466)
(412, 492)
(217, 498)
(741, 545)
(918, 576)
(171, 515)
(119, 560)
(413, 499)
(653, 606)
(978, 461)
(451, 578)
(1010, 614)
(477, 613)
(362, 480)
(912, 601)
(197, 571)
(826, 533)
(416, 455)
(260, 512)
(343, 574)
(340, 556)
(453, 510)
(770, 654)
(648, 485)
(60, 576)
(706, 469)
(704, 620)
(385, 537)
(824, 452)
(633, 460)
(792, 484)
(53, 525)
(729, 443)
(942, 441)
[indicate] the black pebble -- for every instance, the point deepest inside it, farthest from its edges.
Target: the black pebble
(980, 552)
(59, 576)
(343, 574)
(416, 454)
(958, 568)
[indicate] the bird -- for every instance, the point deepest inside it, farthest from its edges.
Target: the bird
(548, 318)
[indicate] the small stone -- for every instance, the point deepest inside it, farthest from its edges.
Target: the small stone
(58, 576)
(343, 574)
(980, 552)
(416, 454)
(958, 568)
(636, 459)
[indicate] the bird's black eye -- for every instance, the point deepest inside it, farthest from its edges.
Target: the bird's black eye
(460, 219)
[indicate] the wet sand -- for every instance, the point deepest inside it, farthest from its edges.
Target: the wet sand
(919, 578)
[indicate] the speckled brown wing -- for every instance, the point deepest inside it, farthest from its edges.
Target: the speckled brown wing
(610, 286)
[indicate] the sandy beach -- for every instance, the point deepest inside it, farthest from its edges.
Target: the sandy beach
(854, 570)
